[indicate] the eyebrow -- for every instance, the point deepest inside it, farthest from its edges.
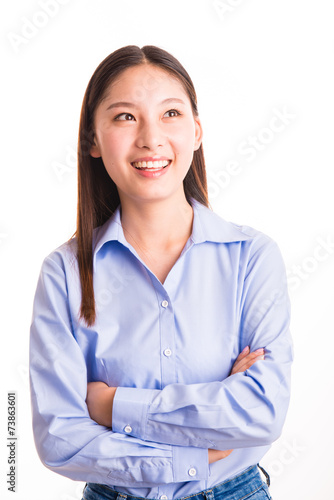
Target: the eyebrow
(120, 104)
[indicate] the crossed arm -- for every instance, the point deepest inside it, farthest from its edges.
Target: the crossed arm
(100, 397)
(174, 427)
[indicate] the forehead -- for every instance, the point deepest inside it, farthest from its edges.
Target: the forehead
(143, 81)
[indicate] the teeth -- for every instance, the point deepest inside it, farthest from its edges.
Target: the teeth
(151, 164)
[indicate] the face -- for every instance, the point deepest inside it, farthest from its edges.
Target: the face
(146, 134)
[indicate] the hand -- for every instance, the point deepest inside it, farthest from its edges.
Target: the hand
(245, 360)
(215, 455)
(100, 398)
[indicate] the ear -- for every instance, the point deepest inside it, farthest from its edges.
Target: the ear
(95, 150)
(198, 134)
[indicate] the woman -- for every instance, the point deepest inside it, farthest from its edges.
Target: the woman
(150, 305)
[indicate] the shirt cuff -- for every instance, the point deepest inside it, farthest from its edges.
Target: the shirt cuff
(190, 464)
(130, 408)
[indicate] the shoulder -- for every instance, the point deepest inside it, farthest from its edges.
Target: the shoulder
(250, 247)
(62, 258)
(211, 226)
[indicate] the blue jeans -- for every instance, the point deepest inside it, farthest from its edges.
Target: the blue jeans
(247, 485)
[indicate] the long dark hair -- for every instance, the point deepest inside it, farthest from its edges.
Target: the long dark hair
(97, 193)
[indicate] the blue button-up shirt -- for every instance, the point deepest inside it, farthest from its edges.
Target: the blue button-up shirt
(169, 348)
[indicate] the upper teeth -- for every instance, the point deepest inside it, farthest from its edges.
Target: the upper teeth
(151, 164)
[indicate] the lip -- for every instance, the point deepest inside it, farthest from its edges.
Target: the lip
(151, 158)
(152, 174)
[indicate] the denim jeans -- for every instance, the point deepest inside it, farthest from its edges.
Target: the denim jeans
(247, 485)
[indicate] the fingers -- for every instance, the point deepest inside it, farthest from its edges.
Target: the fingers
(246, 359)
(215, 455)
(243, 354)
(250, 360)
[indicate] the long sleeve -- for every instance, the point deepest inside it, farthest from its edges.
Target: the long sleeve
(67, 440)
(169, 349)
(246, 409)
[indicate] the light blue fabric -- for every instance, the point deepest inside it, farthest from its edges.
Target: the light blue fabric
(247, 485)
(169, 349)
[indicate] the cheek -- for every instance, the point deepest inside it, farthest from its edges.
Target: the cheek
(114, 146)
(184, 138)
(184, 149)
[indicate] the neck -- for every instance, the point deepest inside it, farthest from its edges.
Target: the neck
(157, 224)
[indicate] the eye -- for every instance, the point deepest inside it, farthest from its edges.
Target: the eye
(124, 117)
(172, 113)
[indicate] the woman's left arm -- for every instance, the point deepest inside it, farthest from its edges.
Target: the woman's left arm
(100, 397)
(244, 410)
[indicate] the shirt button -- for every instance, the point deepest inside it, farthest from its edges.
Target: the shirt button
(164, 303)
(167, 352)
(192, 472)
(163, 497)
(128, 429)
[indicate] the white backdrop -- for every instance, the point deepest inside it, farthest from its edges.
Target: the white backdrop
(251, 61)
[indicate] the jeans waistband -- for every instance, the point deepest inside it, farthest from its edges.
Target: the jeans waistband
(247, 482)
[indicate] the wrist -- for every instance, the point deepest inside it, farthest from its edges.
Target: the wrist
(107, 405)
(100, 399)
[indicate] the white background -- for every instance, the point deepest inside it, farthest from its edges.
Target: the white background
(258, 58)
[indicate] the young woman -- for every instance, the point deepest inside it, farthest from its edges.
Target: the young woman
(137, 384)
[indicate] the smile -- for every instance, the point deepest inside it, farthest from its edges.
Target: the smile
(151, 165)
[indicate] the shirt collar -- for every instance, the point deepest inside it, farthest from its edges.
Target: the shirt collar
(207, 226)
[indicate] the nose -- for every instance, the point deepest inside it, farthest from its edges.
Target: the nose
(150, 135)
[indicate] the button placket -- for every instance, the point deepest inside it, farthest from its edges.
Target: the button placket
(167, 332)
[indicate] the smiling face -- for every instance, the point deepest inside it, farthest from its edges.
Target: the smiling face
(146, 134)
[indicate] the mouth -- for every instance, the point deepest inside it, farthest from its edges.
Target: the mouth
(152, 166)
